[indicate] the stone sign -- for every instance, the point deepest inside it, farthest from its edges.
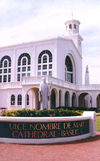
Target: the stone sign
(43, 130)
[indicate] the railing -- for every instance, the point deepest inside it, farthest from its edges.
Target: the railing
(89, 87)
(51, 80)
(7, 85)
(31, 80)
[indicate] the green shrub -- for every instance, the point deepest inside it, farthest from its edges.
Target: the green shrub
(79, 108)
(20, 113)
(42, 113)
(26, 113)
(12, 113)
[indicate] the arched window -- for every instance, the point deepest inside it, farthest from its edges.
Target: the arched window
(45, 59)
(70, 26)
(5, 69)
(45, 63)
(68, 70)
(24, 66)
(74, 26)
(5, 63)
(12, 100)
(24, 61)
(19, 100)
(27, 99)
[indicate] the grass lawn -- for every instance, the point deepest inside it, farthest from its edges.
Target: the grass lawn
(98, 122)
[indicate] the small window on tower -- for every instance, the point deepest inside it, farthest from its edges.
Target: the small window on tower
(74, 26)
(70, 26)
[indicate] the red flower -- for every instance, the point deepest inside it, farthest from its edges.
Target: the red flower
(51, 115)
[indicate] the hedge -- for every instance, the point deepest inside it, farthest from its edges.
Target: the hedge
(41, 113)
(80, 108)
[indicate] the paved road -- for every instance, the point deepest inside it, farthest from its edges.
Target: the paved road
(85, 150)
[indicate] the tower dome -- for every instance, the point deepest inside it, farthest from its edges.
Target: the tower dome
(72, 26)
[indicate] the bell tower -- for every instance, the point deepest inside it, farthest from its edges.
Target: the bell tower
(87, 76)
(72, 28)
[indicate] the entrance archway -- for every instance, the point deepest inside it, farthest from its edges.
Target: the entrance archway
(67, 97)
(53, 99)
(98, 101)
(59, 97)
(74, 103)
(33, 96)
(85, 100)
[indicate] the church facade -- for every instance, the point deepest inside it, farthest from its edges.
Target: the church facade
(59, 61)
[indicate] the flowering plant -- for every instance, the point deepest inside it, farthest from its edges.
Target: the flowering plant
(51, 115)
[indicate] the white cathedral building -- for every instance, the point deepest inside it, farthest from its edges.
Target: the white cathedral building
(59, 60)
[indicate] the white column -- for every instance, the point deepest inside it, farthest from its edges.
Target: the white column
(77, 100)
(94, 101)
(63, 98)
(70, 99)
(16, 97)
(49, 103)
(13, 68)
(31, 99)
(23, 98)
(57, 98)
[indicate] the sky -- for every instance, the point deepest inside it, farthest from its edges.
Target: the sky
(29, 20)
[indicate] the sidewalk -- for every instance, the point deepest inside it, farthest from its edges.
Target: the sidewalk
(84, 150)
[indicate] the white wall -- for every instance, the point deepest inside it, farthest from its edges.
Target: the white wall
(59, 47)
(64, 47)
(33, 49)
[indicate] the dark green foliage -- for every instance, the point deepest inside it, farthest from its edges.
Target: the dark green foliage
(42, 113)
(80, 108)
